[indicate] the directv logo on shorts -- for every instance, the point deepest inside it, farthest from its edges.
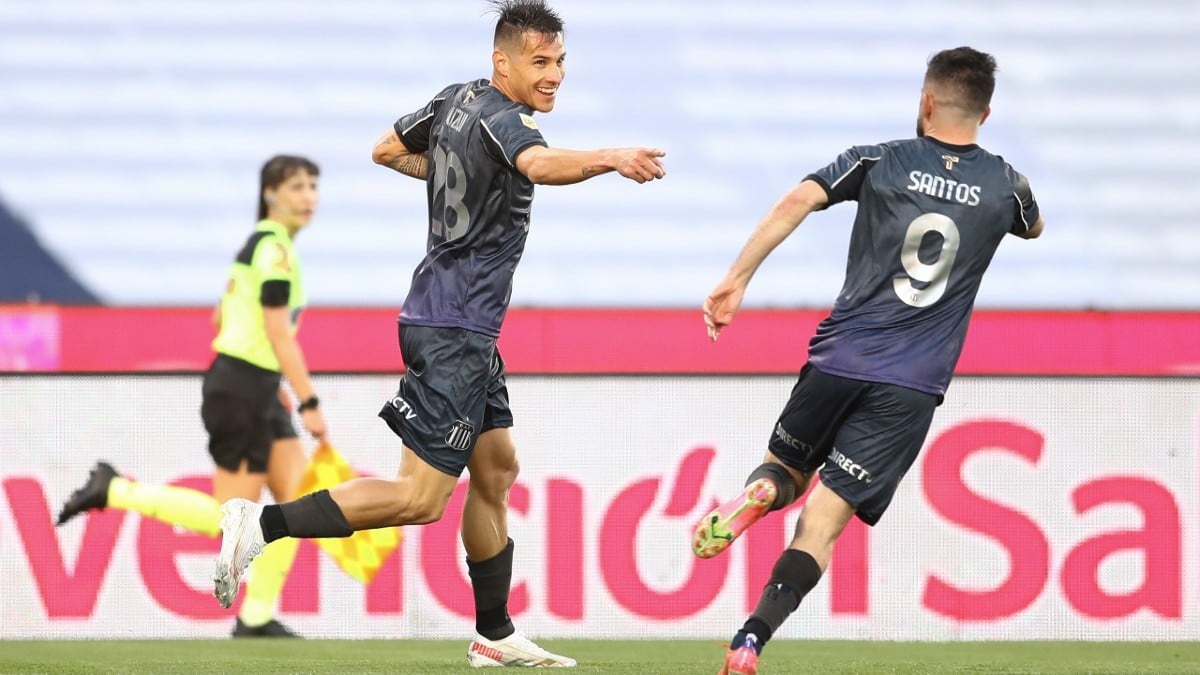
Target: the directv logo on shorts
(403, 408)
(459, 436)
(856, 470)
(791, 440)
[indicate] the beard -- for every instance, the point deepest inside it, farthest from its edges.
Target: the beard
(920, 127)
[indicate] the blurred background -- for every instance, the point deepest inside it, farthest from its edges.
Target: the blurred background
(132, 133)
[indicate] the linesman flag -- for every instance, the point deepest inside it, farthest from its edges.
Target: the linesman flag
(364, 552)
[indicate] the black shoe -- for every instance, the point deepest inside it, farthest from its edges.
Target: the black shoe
(93, 494)
(270, 629)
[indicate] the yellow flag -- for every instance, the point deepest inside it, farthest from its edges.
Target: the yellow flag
(364, 552)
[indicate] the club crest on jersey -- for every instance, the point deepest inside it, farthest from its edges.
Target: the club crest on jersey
(460, 435)
(527, 120)
(280, 260)
(950, 161)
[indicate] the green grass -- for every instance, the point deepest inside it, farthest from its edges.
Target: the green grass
(634, 657)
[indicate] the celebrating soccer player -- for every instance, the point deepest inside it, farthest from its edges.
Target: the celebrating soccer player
(931, 212)
(480, 152)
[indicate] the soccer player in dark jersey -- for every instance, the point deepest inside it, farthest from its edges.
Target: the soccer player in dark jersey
(480, 152)
(931, 212)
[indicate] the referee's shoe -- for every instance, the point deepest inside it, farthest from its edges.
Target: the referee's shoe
(93, 494)
(270, 629)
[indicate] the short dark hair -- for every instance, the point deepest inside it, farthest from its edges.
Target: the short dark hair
(517, 17)
(970, 72)
(276, 171)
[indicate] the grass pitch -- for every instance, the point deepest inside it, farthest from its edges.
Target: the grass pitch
(634, 657)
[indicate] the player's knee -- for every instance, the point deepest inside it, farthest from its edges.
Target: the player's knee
(789, 483)
(495, 483)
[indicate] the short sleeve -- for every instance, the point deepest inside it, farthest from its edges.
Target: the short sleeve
(1025, 211)
(413, 129)
(272, 264)
(843, 178)
(272, 260)
(510, 131)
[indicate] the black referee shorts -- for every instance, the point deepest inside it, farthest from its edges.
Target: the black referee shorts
(242, 413)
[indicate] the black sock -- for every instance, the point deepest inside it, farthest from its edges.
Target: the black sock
(794, 575)
(310, 517)
(490, 581)
(748, 636)
(785, 485)
(272, 523)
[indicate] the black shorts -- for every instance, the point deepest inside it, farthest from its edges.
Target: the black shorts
(452, 391)
(242, 413)
(864, 436)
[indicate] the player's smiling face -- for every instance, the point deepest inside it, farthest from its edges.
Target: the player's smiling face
(535, 74)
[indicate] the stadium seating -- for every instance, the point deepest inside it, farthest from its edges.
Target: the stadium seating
(132, 133)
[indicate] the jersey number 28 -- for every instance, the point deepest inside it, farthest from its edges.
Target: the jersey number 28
(449, 187)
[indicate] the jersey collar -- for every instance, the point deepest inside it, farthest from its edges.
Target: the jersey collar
(953, 146)
(268, 225)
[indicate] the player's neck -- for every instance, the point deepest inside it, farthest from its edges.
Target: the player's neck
(954, 135)
(501, 86)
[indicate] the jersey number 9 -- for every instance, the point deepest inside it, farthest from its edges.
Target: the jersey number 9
(932, 275)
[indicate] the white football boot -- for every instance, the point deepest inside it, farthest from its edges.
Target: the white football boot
(241, 542)
(516, 650)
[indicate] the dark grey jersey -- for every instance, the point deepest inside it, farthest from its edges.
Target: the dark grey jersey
(479, 205)
(930, 216)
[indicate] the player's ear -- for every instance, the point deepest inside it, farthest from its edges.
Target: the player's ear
(500, 61)
(926, 103)
(986, 111)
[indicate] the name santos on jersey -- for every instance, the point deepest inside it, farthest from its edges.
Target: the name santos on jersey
(942, 188)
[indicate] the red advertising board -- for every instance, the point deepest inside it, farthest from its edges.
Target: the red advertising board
(78, 339)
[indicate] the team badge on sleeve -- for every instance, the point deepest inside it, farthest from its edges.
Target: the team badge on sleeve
(527, 120)
(280, 259)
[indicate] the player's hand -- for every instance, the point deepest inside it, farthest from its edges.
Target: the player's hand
(640, 164)
(314, 421)
(721, 305)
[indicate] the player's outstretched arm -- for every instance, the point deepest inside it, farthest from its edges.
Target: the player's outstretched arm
(723, 303)
(391, 152)
(557, 166)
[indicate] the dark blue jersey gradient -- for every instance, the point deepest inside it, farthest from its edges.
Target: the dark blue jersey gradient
(479, 205)
(930, 217)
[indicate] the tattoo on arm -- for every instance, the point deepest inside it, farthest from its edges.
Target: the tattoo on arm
(411, 165)
(589, 171)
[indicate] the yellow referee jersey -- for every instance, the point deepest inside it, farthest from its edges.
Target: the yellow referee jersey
(267, 256)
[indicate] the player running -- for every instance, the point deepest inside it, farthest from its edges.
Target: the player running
(931, 212)
(480, 152)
